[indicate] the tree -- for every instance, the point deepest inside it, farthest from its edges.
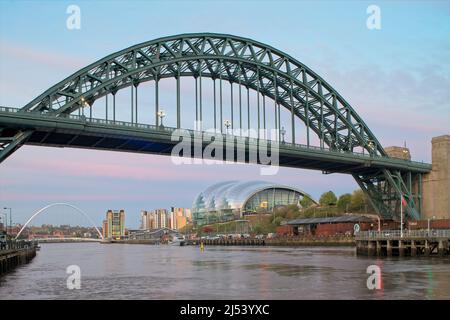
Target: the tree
(358, 201)
(344, 202)
(280, 212)
(306, 202)
(257, 229)
(277, 221)
(289, 212)
(328, 199)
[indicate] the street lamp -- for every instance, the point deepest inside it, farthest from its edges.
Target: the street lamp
(10, 218)
(283, 132)
(161, 115)
(371, 146)
(227, 124)
(432, 218)
(5, 222)
(84, 104)
(405, 154)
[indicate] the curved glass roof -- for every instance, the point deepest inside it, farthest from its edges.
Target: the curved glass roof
(232, 194)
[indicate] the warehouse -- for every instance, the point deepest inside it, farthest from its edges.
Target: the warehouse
(332, 226)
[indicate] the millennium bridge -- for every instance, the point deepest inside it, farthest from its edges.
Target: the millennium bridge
(253, 84)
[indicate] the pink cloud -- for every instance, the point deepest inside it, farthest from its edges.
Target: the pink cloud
(40, 56)
(81, 197)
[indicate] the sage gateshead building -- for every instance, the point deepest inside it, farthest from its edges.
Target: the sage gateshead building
(231, 200)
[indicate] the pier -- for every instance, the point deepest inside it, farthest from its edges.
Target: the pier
(15, 254)
(409, 243)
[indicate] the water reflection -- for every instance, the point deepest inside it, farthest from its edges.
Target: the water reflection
(430, 283)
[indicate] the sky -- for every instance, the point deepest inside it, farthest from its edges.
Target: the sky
(397, 78)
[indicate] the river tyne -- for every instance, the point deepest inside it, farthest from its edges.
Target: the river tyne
(120, 271)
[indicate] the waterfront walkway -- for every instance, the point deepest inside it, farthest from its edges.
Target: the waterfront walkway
(15, 253)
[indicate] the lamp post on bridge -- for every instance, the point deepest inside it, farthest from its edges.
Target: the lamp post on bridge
(405, 151)
(283, 132)
(10, 219)
(227, 124)
(161, 115)
(371, 145)
(85, 104)
(4, 218)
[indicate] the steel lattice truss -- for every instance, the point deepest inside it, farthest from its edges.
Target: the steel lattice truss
(253, 65)
(238, 60)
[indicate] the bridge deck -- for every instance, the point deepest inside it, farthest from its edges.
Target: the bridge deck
(82, 132)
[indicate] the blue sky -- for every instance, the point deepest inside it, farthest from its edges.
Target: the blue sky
(396, 78)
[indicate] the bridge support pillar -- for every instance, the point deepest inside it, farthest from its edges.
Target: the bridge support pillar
(442, 246)
(413, 248)
(401, 248)
(379, 253)
(371, 248)
(427, 248)
(389, 248)
(436, 198)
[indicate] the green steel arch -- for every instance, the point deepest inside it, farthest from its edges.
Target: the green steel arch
(242, 61)
(255, 65)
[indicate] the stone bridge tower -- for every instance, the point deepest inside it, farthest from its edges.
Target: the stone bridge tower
(436, 184)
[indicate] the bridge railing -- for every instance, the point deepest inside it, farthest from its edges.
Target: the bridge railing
(256, 141)
(16, 244)
(396, 234)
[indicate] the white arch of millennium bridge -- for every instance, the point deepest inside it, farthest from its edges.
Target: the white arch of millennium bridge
(58, 204)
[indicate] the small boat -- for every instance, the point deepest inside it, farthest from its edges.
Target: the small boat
(177, 240)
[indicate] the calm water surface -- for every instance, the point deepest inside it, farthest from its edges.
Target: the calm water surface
(113, 271)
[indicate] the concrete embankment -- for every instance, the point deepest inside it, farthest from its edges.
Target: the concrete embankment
(347, 241)
(285, 241)
(228, 242)
(132, 241)
(10, 259)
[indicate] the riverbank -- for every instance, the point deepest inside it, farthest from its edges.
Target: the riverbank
(284, 241)
(10, 259)
(280, 241)
(133, 241)
(299, 242)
